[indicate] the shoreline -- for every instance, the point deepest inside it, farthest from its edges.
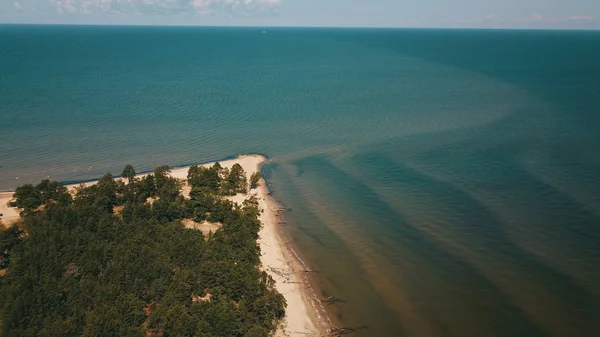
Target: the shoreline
(69, 183)
(291, 261)
(325, 318)
(303, 315)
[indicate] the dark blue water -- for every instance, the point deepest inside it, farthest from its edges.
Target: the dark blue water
(444, 182)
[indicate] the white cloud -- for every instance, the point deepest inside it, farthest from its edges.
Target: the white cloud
(57, 5)
(270, 2)
(201, 7)
(535, 19)
(17, 5)
(66, 6)
(581, 18)
(71, 6)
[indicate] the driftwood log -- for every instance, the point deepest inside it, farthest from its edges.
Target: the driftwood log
(336, 332)
(333, 299)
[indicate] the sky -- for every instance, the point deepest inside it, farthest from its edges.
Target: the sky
(529, 14)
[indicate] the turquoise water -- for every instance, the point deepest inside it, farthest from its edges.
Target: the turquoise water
(444, 182)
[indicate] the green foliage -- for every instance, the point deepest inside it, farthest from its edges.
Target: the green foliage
(201, 203)
(128, 173)
(256, 331)
(254, 179)
(82, 269)
(218, 180)
(166, 187)
(146, 187)
(9, 239)
(205, 178)
(103, 194)
(217, 167)
(236, 181)
(27, 197)
(30, 197)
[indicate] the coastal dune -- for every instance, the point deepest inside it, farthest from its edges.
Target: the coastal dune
(301, 315)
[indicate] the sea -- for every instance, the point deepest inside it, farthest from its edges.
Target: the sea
(442, 182)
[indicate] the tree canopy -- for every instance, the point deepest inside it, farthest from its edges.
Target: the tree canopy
(128, 173)
(218, 180)
(107, 262)
(254, 179)
(30, 197)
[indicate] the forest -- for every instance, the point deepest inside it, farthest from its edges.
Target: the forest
(114, 259)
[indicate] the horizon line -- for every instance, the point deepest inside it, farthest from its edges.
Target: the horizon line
(296, 27)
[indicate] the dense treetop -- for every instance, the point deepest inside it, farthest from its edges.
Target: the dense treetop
(107, 262)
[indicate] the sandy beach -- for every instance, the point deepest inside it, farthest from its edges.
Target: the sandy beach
(9, 214)
(304, 316)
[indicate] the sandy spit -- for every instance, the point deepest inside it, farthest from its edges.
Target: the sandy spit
(304, 316)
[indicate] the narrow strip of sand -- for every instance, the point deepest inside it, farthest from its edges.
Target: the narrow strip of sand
(303, 315)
